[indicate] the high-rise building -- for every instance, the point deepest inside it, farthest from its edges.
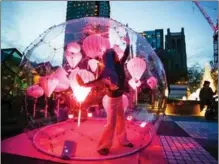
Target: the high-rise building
(155, 38)
(79, 9)
(176, 46)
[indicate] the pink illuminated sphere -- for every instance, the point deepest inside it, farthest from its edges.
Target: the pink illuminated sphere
(35, 91)
(152, 82)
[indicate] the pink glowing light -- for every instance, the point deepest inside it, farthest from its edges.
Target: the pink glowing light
(70, 116)
(152, 82)
(129, 118)
(143, 124)
(48, 83)
(73, 47)
(93, 64)
(90, 115)
(134, 83)
(80, 92)
(136, 67)
(95, 45)
(73, 59)
(35, 91)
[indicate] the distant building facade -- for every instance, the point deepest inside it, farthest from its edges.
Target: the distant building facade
(216, 49)
(80, 9)
(155, 38)
(176, 46)
(173, 55)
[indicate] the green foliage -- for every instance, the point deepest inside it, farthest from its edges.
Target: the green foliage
(195, 74)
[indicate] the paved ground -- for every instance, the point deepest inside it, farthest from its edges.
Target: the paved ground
(183, 139)
(189, 140)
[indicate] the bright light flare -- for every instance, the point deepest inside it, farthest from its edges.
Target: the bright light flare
(129, 118)
(202, 113)
(81, 93)
(90, 115)
(70, 116)
(184, 98)
(143, 124)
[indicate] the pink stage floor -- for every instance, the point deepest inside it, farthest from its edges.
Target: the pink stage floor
(47, 143)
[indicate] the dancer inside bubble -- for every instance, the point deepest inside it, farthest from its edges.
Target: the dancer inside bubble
(113, 76)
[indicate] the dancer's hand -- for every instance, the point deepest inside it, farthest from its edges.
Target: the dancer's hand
(127, 38)
(79, 80)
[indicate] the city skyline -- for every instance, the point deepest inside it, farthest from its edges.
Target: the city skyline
(21, 30)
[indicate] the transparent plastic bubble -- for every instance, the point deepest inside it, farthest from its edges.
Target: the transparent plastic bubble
(78, 45)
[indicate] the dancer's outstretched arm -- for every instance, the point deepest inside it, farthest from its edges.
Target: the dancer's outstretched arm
(127, 50)
(126, 54)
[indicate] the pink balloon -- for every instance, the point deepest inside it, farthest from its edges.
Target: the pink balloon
(95, 45)
(152, 82)
(48, 83)
(60, 72)
(93, 64)
(119, 51)
(136, 67)
(64, 83)
(73, 47)
(134, 83)
(62, 87)
(86, 76)
(73, 59)
(35, 91)
(72, 78)
(125, 102)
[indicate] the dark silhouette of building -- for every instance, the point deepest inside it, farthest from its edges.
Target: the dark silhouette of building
(216, 50)
(173, 56)
(155, 38)
(80, 9)
(175, 48)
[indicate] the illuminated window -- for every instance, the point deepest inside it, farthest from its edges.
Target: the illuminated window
(79, 4)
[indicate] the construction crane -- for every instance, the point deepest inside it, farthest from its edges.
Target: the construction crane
(215, 30)
(214, 27)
